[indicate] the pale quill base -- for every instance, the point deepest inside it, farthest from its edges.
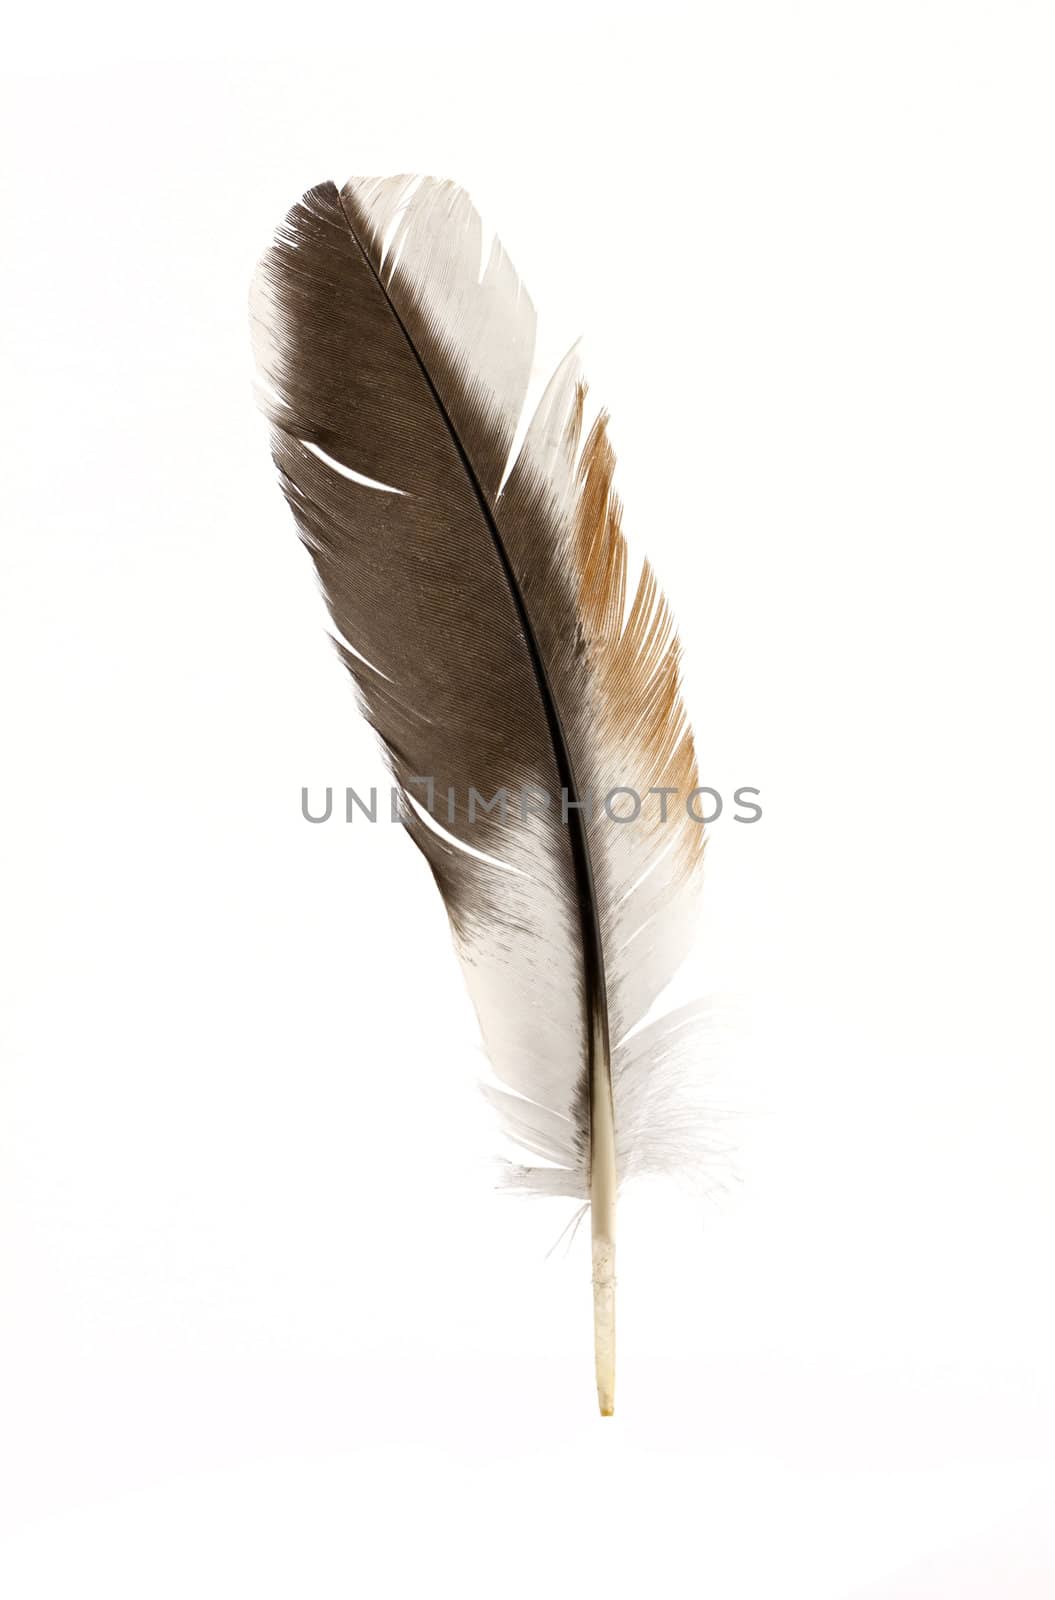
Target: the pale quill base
(604, 1323)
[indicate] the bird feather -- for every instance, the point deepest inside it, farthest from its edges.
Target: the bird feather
(480, 599)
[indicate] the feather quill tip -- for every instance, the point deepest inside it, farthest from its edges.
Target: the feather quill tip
(604, 1324)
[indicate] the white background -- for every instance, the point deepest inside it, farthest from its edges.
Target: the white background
(265, 1329)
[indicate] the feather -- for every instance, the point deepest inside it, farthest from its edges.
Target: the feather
(481, 606)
